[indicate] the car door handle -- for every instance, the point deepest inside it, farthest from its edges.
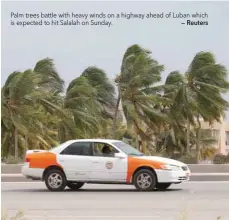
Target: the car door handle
(95, 162)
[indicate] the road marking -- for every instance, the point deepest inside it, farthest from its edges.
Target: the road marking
(102, 216)
(189, 182)
(11, 175)
(39, 182)
(192, 174)
(209, 174)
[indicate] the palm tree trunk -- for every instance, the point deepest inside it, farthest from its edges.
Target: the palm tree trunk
(188, 137)
(198, 141)
(198, 145)
(115, 116)
(26, 144)
(15, 142)
(138, 142)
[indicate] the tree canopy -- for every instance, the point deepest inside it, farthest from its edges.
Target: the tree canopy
(38, 112)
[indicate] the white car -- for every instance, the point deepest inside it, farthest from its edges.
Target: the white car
(77, 162)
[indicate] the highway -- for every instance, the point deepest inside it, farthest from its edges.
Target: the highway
(197, 200)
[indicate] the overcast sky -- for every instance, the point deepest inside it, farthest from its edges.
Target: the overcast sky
(75, 48)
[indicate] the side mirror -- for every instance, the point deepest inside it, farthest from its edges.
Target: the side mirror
(120, 155)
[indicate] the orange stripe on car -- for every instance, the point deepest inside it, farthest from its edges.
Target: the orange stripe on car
(134, 163)
(43, 160)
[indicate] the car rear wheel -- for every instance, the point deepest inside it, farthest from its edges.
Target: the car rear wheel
(163, 186)
(145, 180)
(75, 186)
(55, 180)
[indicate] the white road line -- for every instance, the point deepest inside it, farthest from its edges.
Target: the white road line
(12, 175)
(203, 182)
(209, 174)
(192, 174)
(190, 182)
(101, 216)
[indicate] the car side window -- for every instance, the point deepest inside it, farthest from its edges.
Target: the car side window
(103, 150)
(78, 148)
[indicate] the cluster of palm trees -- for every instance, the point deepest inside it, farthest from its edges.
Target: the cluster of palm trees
(37, 112)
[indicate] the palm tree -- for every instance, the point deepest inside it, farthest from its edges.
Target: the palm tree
(89, 100)
(196, 95)
(206, 81)
(182, 107)
(17, 97)
(21, 93)
(139, 73)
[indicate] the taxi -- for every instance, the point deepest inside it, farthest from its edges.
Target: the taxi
(102, 161)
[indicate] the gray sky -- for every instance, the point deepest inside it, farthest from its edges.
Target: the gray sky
(75, 48)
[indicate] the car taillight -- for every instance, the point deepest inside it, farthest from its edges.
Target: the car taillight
(27, 160)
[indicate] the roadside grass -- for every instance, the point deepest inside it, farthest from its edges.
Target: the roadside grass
(20, 216)
(12, 160)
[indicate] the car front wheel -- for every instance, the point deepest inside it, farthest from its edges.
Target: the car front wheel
(55, 180)
(75, 186)
(145, 180)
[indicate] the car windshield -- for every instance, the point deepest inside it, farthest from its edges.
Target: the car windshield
(127, 149)
(53, 149)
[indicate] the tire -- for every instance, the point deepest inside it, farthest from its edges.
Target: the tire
(142, 184)
(75, 186)
(55, 180)
(163, 186)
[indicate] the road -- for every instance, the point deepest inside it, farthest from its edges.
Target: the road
(201, 200)
(207, 172)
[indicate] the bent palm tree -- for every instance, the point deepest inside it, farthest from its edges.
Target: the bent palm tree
(21, 97)
(90, 99)
(207, 80)
(182, 107)
(139, 73)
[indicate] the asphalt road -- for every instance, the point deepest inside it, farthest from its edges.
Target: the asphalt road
(199, 200)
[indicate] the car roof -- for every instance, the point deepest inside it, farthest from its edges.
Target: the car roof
(108, 141)
(62, 146)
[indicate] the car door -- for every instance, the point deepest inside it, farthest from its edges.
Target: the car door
(76, 161)
(107, 168)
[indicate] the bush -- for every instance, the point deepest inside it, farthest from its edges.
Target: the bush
(188, 159)
(221, 159)
(18, 216)
(12, 160)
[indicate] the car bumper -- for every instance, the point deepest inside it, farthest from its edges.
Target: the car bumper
(31, 173)
(167, 176)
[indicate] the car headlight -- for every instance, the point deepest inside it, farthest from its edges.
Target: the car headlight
(170, 167)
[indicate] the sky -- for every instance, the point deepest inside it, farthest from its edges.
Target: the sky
(74, 48)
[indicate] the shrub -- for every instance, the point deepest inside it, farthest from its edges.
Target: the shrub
(188, 159)
(19, 216)
(221, 159)
(12, 160)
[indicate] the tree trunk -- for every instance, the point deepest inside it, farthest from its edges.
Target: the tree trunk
(15, 142)
(198, 145)
(188, 137)
(198, 141)
(115, 117)
(138, 142)
(26, 144)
